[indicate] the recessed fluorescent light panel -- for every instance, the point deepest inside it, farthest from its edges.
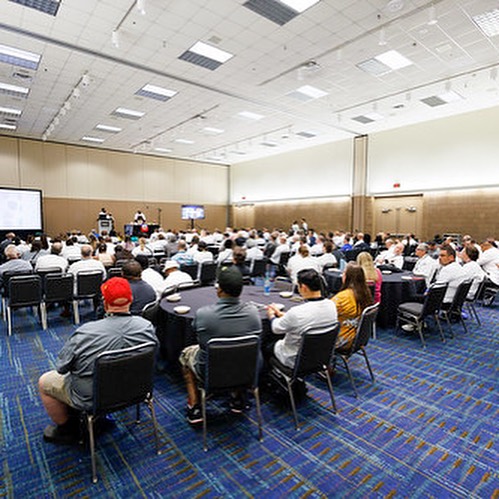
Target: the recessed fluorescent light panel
(248, 115)
(206, 56)
(13, 90)
(213, 131)
(95, 140)
(363, 119)
(488, 22)
(306, 134)
(7, 127)
(279, 12)
(130, 114)
(11, 111)
(269, 143)
(307, 92)
(16, 57)
(393, 59)
(162, 149)
(154, 92)
(441, 99)
(47, 6)
(108, 128)
(184, 141)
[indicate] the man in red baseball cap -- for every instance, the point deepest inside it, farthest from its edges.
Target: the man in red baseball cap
(70, 385)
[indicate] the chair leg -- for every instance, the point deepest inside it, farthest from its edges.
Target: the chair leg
(330, 388)
(347, 367)
(43, 315)
(473, 312)
(205, 423)
(76, 312)
(256, 394)
(441, 331)
(363, 352)
(137, 414)
(292, 400)
(91, 437)
(9, 320)
(447, 319)
(150, 404)
(419, 327)
(4, 309)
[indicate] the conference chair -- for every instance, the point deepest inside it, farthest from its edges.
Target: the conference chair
(114, 272)
(365, 328)
(231, 364)
(58, 288)
(122, 378)
(88, 285)
(258, 267)
(207, 273)
(314, 356)
(191, 269)
(455, 310)
(24, 291)
(471, 302)
(50, 271)
(5, 278)
(415, 314)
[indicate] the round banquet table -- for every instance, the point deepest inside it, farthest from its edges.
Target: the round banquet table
(397, 288)
(175, 330)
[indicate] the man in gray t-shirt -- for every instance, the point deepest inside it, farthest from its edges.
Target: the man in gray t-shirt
(70, 385)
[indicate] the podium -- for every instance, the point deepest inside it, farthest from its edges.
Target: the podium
(105, 224)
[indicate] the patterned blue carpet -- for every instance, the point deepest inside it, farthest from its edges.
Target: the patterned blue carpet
(428, 427)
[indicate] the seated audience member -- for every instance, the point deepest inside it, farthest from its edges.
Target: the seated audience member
(472, 271)
(425, 266)
(271, 245)
(288, 327)
(13, 264)
(181, 256)
(174, 276)
(360, 244)
(70, 385)
(150, 275)
(372, 274)
(159, 245)
(386, 253)
(52, 260)
(327, 259)
(450, 273)
(397, 257)
(103, 256)
(142, 292)
(239, 261)
(143, 248)
(228, 317)
(225, 255)
(87, 263)
(71, 250)
(488, 260)
(202, 254)
(353, 297)
(35, 252)
(279, 249)
(301, 261)
(253, 252)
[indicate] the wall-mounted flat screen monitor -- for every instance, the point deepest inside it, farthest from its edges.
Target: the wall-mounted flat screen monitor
(21, 209)
(192, 212)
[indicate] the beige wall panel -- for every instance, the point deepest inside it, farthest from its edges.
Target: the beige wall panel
(31, 168)
(125, 177)
(158, 179)
(54, 170)
(78, 184)
(99, 174)
(9, 163)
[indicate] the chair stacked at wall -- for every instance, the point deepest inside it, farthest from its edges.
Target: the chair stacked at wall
(24, 291)
(314, 356)
(454, 312)
(58, 288)
(416, 314)
(232, 364)
(363, 333)
(87, 287)
(122, 378)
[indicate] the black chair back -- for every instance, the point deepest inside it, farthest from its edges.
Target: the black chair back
(433, 299)
(25, 291)
(51, 271)
(460, 297)
(123, 378)
(114, 272)
(191, 269)
(258, 267)
(207, 273)
(232, 362)
(284, 258)
(365, 327)
(6, 276)
(316, 350)
(58, 288)
(88, 284)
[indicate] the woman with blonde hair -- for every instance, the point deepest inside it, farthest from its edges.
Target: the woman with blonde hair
(353, 297)
(373, 274)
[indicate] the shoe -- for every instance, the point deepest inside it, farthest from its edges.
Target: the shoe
(66, 434)
(238, 405)
(194, 414)
(408, 327)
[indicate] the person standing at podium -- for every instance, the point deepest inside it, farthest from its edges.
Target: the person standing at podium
(139, 217)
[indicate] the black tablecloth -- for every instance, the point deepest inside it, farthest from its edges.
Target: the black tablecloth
(397, 288)
(175, 330)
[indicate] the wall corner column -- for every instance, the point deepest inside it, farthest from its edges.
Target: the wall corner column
(359, 184)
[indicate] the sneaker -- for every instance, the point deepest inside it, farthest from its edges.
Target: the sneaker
(408, 327)
(61, 434)
(238, 405)
(194, 414)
